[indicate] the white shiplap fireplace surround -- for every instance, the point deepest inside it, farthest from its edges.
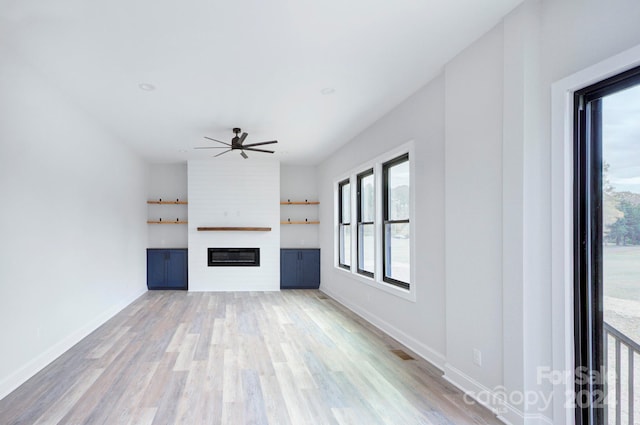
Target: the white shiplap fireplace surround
(234, 192)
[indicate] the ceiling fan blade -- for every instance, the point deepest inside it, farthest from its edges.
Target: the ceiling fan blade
(216, 140)
(241, 140)
(260, 143)
(257, 150)
(211, 147)
(244, 155)
(222, 153)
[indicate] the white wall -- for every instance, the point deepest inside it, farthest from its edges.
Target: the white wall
(522, 328)
(473, 210)
(298, 183)
(234, 192)
(493, 197)
(418, 324)
(72, 220)
(167, 182)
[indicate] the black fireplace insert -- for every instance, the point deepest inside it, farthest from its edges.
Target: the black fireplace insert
(230, 257)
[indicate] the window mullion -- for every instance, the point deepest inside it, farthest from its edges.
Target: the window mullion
(354, 219)
(379, 226)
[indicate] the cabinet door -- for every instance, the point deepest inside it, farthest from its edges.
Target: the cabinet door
(310, 268)
(288, 268)
(176, 269)
(156, 268)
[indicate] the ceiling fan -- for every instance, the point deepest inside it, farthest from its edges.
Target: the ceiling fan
(237, 143)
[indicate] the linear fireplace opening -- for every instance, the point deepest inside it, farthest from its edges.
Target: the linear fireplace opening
(239, 257)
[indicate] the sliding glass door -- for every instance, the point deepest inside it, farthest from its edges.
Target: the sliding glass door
(607, 251)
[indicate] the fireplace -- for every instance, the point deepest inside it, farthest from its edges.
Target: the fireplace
(233, 257)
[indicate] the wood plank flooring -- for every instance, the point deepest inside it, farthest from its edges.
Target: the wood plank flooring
(280, 358)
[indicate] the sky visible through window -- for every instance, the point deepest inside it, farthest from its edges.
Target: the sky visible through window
(621, 139)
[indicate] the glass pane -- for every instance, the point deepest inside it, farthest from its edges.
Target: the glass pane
(345, 245)
(398, 255)
(621, 240)
(398, 191)
(366, 248)
(346, 203)
(366, 199)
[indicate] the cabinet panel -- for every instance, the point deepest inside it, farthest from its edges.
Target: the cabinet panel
(310, 268)
(288, 268)
(156, 268)
(177, 269)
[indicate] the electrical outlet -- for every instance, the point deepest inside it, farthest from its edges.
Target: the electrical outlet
(477, 357)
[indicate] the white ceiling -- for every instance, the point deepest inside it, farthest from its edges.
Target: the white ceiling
(256, 64)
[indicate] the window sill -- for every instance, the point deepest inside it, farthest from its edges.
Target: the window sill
(409, 295)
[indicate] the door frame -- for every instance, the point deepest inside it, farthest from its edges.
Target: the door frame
(562, 221)
(588, 266)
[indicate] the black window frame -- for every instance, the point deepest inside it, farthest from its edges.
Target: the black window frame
(588, 231)
(359, 221)
(386, 257)
(341, 223)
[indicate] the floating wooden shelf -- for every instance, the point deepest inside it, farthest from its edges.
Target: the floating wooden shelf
(299, 203)
(167, 202)
(234, 229)
(299, 222)
(165, 222)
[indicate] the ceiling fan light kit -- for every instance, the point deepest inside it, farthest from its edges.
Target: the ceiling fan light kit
(237, 143)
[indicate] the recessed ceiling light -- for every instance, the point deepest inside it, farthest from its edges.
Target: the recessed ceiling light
(146, 87)
(328, 90)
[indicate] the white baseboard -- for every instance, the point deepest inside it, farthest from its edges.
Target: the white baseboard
(473, 388)
(427, 353)
(495, 402)
(38, 363)
(516, 417)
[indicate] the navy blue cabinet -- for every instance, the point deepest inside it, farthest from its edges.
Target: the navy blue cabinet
(166, 268)
(300, 268)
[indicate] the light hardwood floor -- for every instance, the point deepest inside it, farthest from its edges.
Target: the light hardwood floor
(292, 357)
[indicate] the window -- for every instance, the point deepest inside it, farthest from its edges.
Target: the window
(366, 229)
(396, 226)
(344, 224)
(372, 231)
